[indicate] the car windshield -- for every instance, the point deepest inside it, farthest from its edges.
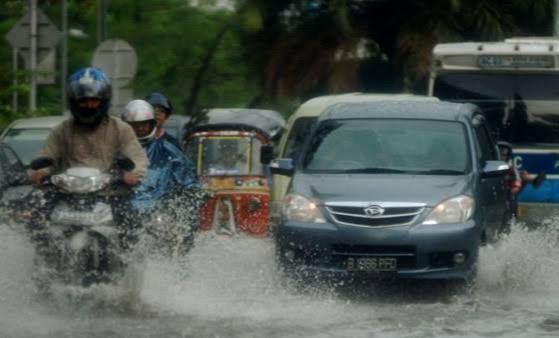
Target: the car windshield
(227, 156)
(26, 142)
(428, 147)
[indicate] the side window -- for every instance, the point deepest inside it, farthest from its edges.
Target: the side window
(486, 145)
(191, 151)
(12, 158)
(296, 138)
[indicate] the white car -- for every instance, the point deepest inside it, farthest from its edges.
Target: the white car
(27, 136)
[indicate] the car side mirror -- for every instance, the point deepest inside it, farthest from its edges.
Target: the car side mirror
(495, 168)
(41, 163)
(283, 166)
(266, 154)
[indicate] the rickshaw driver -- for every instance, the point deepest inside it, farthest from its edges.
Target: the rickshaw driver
(229, 162)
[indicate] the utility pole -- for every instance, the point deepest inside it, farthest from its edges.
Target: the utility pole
(15, 83)
(64, 71)
(33, 54)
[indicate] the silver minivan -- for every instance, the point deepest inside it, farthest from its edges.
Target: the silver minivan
(396, 189)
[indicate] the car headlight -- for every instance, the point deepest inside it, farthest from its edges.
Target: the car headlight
(301, 209)
(455, 210)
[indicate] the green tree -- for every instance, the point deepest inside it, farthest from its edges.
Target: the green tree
(316, 46)
(189, 56)
(10, 11)
(272, 53)
(173, 41)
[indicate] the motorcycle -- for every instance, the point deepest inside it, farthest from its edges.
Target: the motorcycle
(83, 244)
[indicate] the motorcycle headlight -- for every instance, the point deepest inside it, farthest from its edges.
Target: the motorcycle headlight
(301, 209)
(80, 185)
(455, 210)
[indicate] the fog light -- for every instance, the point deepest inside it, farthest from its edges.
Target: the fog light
(290, 255)
(459, 258)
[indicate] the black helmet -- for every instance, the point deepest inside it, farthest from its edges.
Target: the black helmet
(159, 100)
(84, 84)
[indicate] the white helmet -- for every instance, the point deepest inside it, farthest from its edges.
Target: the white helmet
(140, 111)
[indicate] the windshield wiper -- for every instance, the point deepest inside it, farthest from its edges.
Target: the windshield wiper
(373, 171)
(442, 172)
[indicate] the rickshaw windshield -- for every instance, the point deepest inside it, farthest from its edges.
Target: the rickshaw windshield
(228, 156)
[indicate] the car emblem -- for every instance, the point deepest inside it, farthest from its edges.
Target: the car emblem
(374, 211)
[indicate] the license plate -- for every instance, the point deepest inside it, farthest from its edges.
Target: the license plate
(371, 264)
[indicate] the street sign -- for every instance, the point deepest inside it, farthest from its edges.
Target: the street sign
(117, 58)
(47, 36)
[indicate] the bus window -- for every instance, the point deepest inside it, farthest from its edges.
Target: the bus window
(520, 108)
(515, 83)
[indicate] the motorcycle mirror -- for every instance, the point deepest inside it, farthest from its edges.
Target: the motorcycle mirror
(41, 162)
(125, 164)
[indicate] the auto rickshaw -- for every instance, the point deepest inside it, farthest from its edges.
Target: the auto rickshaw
(226, 146)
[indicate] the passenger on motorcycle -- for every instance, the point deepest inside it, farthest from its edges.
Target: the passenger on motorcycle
(169, 196)
(90, 138)
(163, 109)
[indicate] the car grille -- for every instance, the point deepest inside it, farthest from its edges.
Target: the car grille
(357, 216)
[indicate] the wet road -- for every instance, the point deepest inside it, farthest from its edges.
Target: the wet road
(227, 287)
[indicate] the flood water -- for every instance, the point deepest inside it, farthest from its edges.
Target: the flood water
(227, 287)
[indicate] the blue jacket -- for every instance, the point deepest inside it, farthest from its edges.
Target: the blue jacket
(171, 138)
(168, 168)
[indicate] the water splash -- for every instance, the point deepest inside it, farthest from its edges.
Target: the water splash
(228, 286)
(16, 263)
(226, 277)
(524, 260)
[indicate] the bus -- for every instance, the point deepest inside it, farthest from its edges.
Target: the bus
(516, 84)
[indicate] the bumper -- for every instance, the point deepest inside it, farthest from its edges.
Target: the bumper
(421, 251)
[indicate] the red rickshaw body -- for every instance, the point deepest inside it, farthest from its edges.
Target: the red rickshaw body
(227, 158)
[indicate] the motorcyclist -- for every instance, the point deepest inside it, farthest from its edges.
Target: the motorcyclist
(162, 109)
(171, 182)
(90, 138)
